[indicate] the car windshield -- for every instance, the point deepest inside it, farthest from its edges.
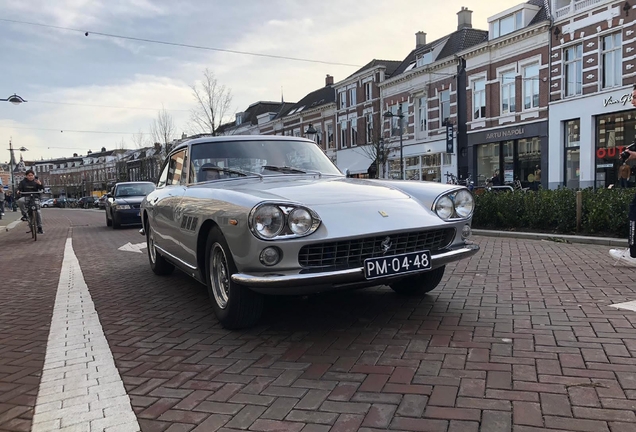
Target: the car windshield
(141, 189)
(265, 157)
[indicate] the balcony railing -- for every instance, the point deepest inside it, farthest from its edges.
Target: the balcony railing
(575, 6)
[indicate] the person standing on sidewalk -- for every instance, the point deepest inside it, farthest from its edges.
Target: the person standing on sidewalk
(624, 173)
(1, 201)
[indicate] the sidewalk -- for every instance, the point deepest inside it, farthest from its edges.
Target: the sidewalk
(9, 220)
(559, 238)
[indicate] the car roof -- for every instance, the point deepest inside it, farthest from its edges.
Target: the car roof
(134, 183)
(212, 139)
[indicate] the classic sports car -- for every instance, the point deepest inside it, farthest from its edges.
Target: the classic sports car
(254, 215)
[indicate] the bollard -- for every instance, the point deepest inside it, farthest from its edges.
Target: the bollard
(579, 209)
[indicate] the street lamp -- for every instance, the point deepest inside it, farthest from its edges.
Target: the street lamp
(14, 99)
(11, 164)
(400, 116)
(379, 157)
(311, 132)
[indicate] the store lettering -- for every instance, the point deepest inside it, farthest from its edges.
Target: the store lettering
(506, 133)
(611, 152)
(623, 100)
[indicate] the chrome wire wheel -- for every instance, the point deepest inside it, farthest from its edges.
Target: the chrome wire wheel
(219, 276)
(151, 246)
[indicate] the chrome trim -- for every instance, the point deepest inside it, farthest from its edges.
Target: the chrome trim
(142, 232)
(174, 258)
(339, 276)
(454, 217)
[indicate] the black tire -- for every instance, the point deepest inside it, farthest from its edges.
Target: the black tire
(419, 284)
(34, 228)
(108, 221)
(116, 224)
(240, 307)
(159, 265)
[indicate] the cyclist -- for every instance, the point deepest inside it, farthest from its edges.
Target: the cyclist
(30, 184)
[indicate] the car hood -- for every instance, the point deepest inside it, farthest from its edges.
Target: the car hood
(129, 200)
(316, 192)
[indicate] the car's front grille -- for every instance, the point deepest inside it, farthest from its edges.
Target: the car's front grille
(135, 206)
(352, 253)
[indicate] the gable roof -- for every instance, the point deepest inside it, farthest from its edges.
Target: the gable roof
(542, 15)
(322, 96)
(390, 65)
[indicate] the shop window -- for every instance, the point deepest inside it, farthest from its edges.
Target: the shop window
(487, 162)
(614, 133)
(528, 166)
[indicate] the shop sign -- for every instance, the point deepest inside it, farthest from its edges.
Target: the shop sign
(505, 133)
(611, 152)
(605, 166)
(624, 100)
(450, 136)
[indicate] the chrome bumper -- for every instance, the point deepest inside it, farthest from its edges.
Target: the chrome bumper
(339, 277)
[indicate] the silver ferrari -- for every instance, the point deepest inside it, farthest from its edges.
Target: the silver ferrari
(255, 215)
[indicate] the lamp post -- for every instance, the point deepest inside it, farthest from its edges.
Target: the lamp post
(400, 116)
(11, 166)
(379, 157)
(311, 132)
(14, 99)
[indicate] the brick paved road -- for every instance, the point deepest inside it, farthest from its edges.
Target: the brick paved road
(520, 335)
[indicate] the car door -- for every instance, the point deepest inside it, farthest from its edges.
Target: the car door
(165, 203)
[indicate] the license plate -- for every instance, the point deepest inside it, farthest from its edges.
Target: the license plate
(397, 264)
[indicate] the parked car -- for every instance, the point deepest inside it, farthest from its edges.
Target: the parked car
(101, 201)
(47, 203)
(254, 215)
(122, 204)
(86, 202)
(60, 202)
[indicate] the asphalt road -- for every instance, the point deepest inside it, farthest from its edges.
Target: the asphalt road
(520, 336)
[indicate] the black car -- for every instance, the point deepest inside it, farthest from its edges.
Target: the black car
(122, 203)
(86, 202)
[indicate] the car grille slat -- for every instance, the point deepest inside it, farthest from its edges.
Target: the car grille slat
(352, 253)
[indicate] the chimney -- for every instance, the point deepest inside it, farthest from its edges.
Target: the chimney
(464, 19)
(420, 39)
(328, 80)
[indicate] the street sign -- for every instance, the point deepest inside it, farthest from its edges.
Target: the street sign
(450, 138)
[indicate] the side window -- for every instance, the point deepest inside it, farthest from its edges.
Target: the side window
(177, 165)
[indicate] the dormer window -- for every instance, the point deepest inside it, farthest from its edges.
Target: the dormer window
(239, 119)
(507, 24)
(425, 59)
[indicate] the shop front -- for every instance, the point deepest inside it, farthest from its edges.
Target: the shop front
(425, 161)
(510, 156)
(614, 132)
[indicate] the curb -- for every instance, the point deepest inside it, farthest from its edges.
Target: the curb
(603, 241)
(12, 225)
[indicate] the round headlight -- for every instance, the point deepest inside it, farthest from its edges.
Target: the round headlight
(464, 203)
(268, 221)
(300, 221)
(444, 207)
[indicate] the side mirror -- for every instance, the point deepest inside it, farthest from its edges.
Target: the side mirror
(109, 195)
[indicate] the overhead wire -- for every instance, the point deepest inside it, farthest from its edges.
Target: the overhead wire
(178, 44)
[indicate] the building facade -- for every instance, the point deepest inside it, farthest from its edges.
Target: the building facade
(592, 71)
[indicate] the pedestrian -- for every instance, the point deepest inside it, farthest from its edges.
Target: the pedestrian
(624, 173)
(8, 200)
(2, 199)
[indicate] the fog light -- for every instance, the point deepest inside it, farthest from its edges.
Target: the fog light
(466, 231)
(270, 256)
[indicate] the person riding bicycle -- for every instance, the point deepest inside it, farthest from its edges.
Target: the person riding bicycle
(30, 184)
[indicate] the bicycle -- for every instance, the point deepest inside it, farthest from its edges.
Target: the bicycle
(32, 205)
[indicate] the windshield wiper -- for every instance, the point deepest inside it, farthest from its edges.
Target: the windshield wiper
(232, 171)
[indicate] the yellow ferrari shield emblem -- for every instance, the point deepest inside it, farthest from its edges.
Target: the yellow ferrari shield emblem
(383, 213)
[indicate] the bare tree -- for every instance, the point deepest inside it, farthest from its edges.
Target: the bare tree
(378, 150)
(139, 140)
(162, 128)
(212, 104)
(121, 145)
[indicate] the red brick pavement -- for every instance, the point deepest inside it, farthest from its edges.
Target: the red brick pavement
(520, 336)
(30, 274)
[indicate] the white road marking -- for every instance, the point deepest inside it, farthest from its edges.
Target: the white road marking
(630, 305)
(13, 225)
(129, 247)
(80, 385)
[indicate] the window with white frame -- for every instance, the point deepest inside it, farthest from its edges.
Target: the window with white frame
(395, 120)
(424, 59)
(354, 131)
(508, 93)
(612, 60)
(368, 90)
(422, 113)
(444, 106)
(507, 24)
(531, 86)
(352, 97)
(343, 134)
(318, 138)
(343, 99)
(369, 121)
(330, 141)
(573, 60)
(479, 98)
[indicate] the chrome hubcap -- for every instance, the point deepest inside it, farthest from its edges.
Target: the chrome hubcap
(151, 246)
(219, 276)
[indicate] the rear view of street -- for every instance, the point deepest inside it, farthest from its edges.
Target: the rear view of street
(523, 336)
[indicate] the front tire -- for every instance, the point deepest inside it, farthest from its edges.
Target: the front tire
(235, 306)
(419, 284)
(108, 221)
(159, 265)
(116, 224)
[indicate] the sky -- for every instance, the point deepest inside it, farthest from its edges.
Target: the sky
(114, 87)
